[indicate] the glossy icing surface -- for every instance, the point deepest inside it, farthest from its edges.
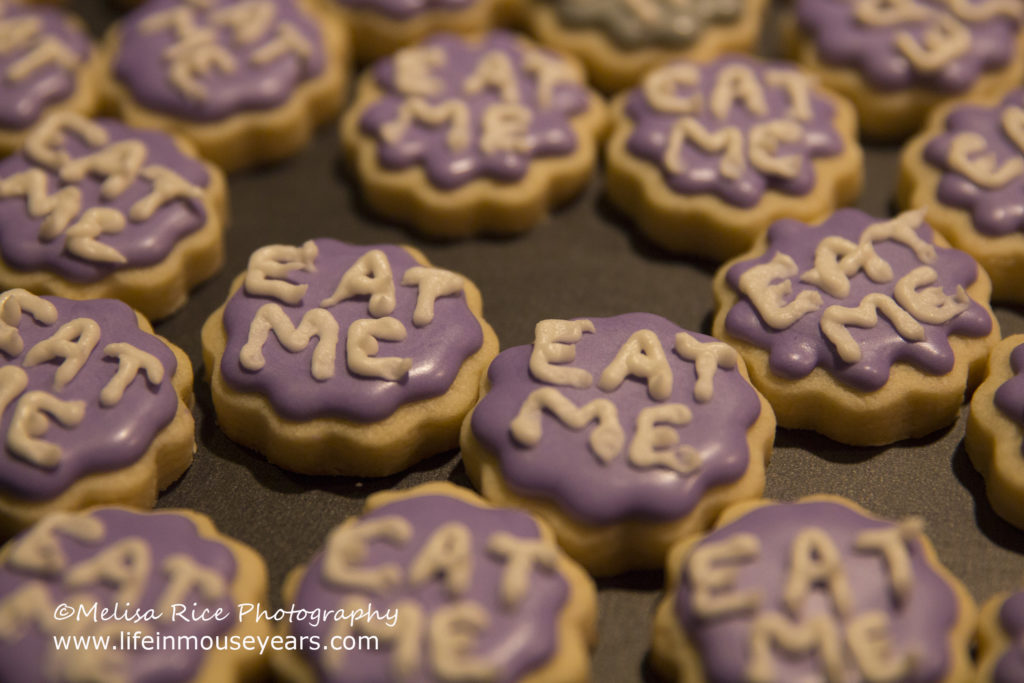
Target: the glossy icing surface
(108, 557)
(942, 45)
(980, 153)
(463, 110)
(84, 198)
(825, 570)
(1010, 667)
(700, 445)
(406, 9)
(638, 24)
(59, 378)
(206, 60)
(428, 355)
(509, 639)
(40, 51)
(871, 319)
(1009, 397)
(736, 128)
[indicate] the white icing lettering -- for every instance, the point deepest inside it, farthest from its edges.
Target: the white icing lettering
(494, 70)
(431, 284)
(74, 342)
(929, 305)
(130, 361)
(605, 440)
(184, 575)
(836, 318)
(814, 559)
(362, 346)
(769, 299)
(44, 145)
(868, 637)
(657, 445)
(798, 90)
(166, 187)
(553, 345)
(548, 73)
(13, 381)
(81, 237)
(124, 566)
(248, 20)
(707, 357)
(288, 40)
(506, 128)
(892, 542)
(521, 556)
(347, 549)
(728, 139)
(414, 70)
(369, 275)
(30, 421)
(57, 209)
(712, 572)
(817, 634)
(640, 356)
(944, 39)
(661, 89)
(764, 145)
(447, 553)
(316, 322)
(455, 631)
(13, 303)
(48, 51)
(452, 113)
(119, 163)
(984, 170)
(737, 83)
(269, 266)
(39, 551)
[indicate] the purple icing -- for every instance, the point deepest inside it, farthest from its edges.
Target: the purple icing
(405, 9)
(841, 39)
(797, 350)
(517, 640)
(142, 64)
(563, 469)
(994, 211)
(920, 624)
(652, 129)
(141, 243)
(31, 655)
(438, 349)
(1009, 397)
(550, 131)
(107, 438)
(1010, 667)
(22, 101)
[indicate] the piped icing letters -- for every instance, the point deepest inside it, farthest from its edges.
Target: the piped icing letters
(464, 109)
(126, 563)
(735, 127)
(478, 591)
(942, 45)
(855, 295)
(85, 197)
(73, 375)
(207, 59)
(815, 590)
(640, 412)
(41, 52)
(979, 154)
(369, 327)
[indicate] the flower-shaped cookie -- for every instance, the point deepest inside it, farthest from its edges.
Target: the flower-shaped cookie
(966, 169)
(460, 135)
(624, 433)
(454, 589)
(157, 596)
(866, 330)
(247, 81)
(706, 156)
(1001, 639)
(817, 590)
(897, 59)
(46, 63)
(94, 208)
(93, 407)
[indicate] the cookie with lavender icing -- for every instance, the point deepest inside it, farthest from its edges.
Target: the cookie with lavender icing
(456, 136)
(94, 208)
(380, 27)
(246, 81)
(1001, 639)
(866, 330)
(163, 590)
(47, 63)
(452, 589)
(620, 40)
(995, 429)
(332, 358)
(897, 59)
(625, 434)
(966, 169)
(816, 590)
(705, 156)
(94, 407)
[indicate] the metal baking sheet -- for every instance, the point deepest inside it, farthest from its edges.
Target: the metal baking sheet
(585, 260)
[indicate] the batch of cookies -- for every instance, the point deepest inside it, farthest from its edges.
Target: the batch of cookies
(608, 444)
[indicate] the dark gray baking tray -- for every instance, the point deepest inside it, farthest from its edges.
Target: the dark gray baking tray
(585, 260)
